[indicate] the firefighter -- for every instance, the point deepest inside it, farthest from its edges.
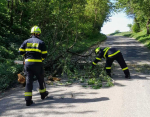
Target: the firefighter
(34, 52)
(111, 54)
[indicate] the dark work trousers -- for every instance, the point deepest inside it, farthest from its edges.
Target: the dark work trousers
(119, 58)
(31, 71)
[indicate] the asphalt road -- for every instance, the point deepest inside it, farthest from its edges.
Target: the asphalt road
(127, 98)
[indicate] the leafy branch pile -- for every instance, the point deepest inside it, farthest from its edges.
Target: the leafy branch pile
(77, 69)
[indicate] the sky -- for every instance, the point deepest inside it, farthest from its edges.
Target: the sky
(119, 22)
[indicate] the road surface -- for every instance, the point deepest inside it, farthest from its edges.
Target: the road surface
(127, 98)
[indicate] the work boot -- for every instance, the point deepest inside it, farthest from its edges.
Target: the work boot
(44, 95)
(29, 102)
(128, 77)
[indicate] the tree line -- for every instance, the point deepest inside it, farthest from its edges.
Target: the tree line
(137, 9)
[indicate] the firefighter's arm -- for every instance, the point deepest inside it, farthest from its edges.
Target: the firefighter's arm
(95, 62)
(22, 49)
(43, 51)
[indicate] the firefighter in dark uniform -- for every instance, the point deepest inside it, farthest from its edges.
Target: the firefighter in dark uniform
(111, 54)
(34, 52)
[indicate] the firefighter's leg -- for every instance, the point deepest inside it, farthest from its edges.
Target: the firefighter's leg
(123, 65)
(42, 85)
(108, 66)
(29, 86)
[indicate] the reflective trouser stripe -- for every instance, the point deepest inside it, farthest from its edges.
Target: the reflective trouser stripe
(22, 50)
(94, 63)
(114, 53)
(28, 93)
(33, 60)
(125, 68)
(108, 67)
(98, 58)
(106, 52)
(42, 90)
(44, 52)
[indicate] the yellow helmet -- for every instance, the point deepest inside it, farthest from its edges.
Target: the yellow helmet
(97, 50)
(36, 30)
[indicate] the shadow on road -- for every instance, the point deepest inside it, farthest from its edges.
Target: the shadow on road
(15, 103)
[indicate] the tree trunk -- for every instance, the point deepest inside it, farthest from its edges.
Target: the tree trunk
(148, 26)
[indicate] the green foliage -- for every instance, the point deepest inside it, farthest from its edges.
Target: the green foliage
(66, 25)
(116, 31)
(130, 26)
(137, 10)
(126, 34)
(97, 12)
(135, 28)
(8, 74)
(91, 81)
(82, 73)
(84, 44)
(8, 70)
(6, 53)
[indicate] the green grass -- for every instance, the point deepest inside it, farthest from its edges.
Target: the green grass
(127, 34)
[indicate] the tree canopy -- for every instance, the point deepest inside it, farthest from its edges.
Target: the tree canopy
(139, 9)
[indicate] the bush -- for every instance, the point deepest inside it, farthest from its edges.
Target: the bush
(135, 28)
(6, 53)
(117, 31)
(8, 74)
(8, 70)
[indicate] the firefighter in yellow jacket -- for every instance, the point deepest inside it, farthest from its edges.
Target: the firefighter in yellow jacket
(34, 52)
(111, 54)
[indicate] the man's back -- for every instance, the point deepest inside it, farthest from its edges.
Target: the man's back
(34, 51)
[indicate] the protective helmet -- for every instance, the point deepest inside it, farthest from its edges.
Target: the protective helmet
(35, 30)
(97, 50)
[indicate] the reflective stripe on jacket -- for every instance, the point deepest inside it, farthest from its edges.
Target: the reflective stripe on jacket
(106, 53)
(33, 49)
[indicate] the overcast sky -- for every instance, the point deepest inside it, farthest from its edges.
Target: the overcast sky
(117, 22)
